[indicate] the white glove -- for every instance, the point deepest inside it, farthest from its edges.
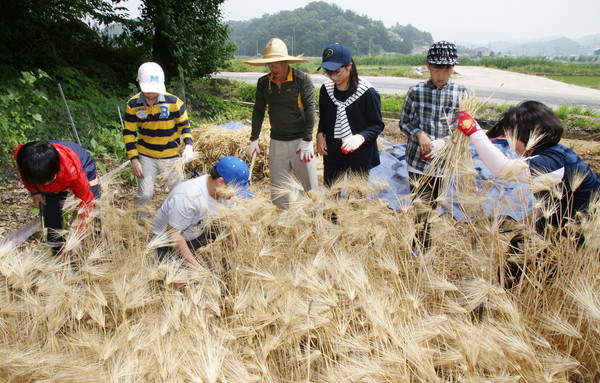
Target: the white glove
(350, 144)
(306, 151)
(188, 154)
(437, 146)
(254, 148)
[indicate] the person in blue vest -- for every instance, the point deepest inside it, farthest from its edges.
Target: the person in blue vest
(537, 132)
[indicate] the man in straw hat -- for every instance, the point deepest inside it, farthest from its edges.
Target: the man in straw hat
(290, 96)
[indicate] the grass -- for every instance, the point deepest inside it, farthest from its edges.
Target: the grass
(392, 103)
(585, 81)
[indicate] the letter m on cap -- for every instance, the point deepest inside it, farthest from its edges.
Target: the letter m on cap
(154, 78)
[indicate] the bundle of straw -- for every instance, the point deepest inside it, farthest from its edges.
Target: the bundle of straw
(212, 143)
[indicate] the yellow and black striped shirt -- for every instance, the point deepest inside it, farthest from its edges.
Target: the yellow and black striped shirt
(155, 131)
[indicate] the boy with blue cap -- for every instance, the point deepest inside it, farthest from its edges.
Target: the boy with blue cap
(183, 211)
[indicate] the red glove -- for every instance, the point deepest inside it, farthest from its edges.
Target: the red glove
(83, 218)
(467, 124)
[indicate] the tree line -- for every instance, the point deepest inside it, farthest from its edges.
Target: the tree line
(187, 37)
(93, 49)
(307, 30)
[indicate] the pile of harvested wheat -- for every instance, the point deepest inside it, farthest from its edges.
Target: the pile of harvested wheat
(290, 296)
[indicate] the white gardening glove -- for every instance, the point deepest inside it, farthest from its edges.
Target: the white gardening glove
(306, 151)
(188, 154)
(254, 148)
(350, 144)
(436, 147)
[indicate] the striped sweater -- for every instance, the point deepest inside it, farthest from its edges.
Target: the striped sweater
(155, 131)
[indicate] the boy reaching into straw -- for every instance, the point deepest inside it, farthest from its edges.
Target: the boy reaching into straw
(49, 169)
(182, 213)
(428, 116)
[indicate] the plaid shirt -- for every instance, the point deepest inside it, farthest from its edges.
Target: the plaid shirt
(430, 109)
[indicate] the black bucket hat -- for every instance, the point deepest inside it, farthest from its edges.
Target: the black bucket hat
(442, 53)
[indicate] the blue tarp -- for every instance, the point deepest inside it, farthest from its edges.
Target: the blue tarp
(231, 125)
(512, 199)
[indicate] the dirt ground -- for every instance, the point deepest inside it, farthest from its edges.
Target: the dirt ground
(16, 208)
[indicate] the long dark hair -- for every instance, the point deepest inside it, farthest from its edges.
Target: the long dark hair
(526, 117)
(353, 79)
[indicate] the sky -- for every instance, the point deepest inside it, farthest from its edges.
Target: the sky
(459, 21)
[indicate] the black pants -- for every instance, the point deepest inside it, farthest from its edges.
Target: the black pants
(332, 175)
(427, 189)
(166, 253)
(514, 269)
(53, 217)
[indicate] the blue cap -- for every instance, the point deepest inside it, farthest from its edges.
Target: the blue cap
(334, 56)
(236, 173)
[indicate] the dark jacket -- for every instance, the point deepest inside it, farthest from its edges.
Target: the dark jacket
(364, 116)
(291, 107)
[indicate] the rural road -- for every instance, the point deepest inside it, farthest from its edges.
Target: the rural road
(502, 87)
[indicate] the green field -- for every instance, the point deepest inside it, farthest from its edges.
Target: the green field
(586, 81)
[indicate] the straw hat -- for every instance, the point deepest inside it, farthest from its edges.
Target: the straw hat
(275, 51)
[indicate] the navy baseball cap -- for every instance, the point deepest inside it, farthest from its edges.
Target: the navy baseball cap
(236, 173)
(334, 56)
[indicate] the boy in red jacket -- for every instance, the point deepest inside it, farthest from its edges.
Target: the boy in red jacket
(49, 169)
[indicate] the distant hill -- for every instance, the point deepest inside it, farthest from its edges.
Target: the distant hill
(551, 46)
(308, 30)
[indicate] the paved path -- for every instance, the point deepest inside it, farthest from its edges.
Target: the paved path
(502, 86)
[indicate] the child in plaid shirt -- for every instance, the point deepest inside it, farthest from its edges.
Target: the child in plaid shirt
(428, 117)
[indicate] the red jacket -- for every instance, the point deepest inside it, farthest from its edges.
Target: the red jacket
(70, 176)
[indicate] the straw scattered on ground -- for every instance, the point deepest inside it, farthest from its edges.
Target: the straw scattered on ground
(296, 296)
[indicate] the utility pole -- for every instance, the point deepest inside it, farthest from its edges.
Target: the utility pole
(370, 39)
(293, 38)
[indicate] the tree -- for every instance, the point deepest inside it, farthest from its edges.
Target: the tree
(49, 33)
(186, 36)
(319, 24)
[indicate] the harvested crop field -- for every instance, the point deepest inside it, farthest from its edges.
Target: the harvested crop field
(296, 296)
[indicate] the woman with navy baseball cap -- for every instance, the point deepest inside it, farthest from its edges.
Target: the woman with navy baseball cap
(350, 118)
